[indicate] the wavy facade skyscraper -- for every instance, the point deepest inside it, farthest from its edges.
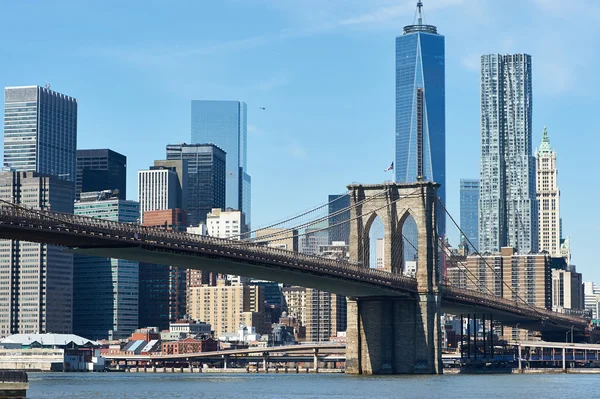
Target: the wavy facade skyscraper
(507, 201)
(421, 107)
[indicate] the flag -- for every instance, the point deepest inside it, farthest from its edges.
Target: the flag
(390, 167)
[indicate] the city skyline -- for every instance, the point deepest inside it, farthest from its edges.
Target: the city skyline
(280, 165)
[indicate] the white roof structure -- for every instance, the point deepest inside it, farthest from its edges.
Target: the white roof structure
(46, 339)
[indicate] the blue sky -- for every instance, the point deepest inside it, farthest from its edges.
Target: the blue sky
(324, 69)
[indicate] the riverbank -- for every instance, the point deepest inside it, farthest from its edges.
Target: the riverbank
(524, 371)
(247, 370)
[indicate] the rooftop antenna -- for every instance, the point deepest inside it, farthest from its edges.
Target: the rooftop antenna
(419, 9)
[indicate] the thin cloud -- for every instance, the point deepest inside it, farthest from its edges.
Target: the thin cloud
(296, 150)
(472, 62)
(570, 10)
(271, 83)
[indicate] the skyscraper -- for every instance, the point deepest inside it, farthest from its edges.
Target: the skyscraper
(223, 123)
(162, 289)
(40, 131)
(36, 287)
(421, 107)
(101, 169)
(105, 291)
(469, 206)
(339, 230)
(40, 142)
(548, 198)
(206, 178)
(163, 186)
(507, 204)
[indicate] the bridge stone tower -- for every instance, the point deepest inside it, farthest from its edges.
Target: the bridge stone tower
(395, 335)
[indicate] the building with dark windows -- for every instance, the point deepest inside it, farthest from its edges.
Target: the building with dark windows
(40, 131)
(469, 208)
(420, 108)
(36, 284)
(40, 144)
(508, 208)
(162, 289)
(105, 291)
(340, 231)
(205, 178)
(223, 123)
(101, 169)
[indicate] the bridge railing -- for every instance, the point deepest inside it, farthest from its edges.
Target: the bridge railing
(144, 234)
(133, 233)
(511, 305)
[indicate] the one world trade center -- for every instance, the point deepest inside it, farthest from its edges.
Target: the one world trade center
(420, 108)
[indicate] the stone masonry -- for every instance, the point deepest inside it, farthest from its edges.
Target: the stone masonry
(388, 335)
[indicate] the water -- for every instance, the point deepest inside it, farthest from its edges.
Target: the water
(331, 386)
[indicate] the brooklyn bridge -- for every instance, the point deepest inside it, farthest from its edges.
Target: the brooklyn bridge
(393, 319)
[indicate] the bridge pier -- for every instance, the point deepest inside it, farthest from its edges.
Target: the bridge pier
(394, 336)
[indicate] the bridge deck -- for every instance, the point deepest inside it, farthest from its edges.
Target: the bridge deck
(138, 243)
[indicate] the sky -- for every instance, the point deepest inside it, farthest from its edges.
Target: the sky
(324, 71)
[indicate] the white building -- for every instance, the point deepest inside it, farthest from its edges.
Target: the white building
(410, 268)
(200, 230)
(592, 298)
(224, 224)
(379, 248)
(157, 190)
(567, 290)
(548, 197)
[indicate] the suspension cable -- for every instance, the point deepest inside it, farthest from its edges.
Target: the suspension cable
(483, 258)
(292, 218)
(322, 219)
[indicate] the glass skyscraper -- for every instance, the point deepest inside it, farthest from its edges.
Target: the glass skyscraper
(340, 231)
(469, 211)
(223, 123)
(507, 201)
(40, 131)
(421, 107)
(40, 142)
(101, 169)
(105, 294)
(206, 178)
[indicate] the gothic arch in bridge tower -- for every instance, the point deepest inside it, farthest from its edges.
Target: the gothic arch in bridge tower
(392, 335)
(408, 244)
(368, 235)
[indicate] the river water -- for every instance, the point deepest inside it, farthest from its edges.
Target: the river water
(282, 386)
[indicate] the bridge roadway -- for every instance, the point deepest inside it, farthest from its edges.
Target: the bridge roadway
(95, 237)
(336, 348)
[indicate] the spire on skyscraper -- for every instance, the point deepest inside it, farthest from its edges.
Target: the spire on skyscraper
(545, 146)
(419, 26)
(420, 11)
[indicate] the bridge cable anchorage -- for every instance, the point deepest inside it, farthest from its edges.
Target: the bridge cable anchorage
(265, 238)
(515, 294)
(249, 233)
